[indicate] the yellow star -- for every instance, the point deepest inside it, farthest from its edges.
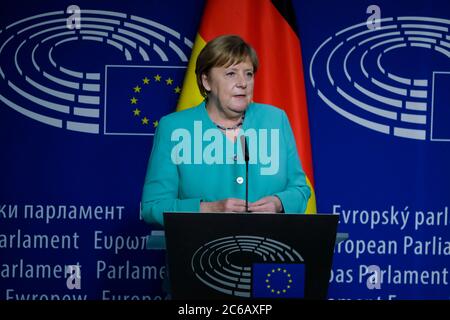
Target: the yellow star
(157, 78)
(155, 123)
(146, 80)
(136, 112)
(134, 100)
(169, 81)
(177, 89)
(145, 120)
(137, 89)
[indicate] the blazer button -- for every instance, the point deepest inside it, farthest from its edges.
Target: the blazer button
(239, 180)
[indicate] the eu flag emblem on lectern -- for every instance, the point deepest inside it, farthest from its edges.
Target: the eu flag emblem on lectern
(278, 280)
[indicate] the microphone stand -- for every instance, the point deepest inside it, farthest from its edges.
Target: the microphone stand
(247, 158)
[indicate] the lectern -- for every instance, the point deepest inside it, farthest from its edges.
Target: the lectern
(249, 255)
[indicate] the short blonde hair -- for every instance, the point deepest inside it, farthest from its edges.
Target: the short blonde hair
(223, 51)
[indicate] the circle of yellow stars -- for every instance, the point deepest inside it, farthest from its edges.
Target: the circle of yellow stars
(138, 88)
(279, 290)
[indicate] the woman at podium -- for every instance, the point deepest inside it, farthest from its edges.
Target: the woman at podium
(228, 154)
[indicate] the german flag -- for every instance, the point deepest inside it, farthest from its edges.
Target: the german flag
(270, 27)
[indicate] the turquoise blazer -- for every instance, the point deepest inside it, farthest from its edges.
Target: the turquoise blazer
(193, 161)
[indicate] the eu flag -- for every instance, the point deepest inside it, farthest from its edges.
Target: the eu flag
(440, 130)
(138, 96)
(278, 280)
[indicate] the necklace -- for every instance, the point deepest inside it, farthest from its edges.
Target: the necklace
(238, 125)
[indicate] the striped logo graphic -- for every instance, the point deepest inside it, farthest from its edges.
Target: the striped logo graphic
(236, 264)
(359, 73)
(54, 69)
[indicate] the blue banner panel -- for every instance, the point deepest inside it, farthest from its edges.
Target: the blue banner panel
(83, 86)
(74, 147)
(369, 80)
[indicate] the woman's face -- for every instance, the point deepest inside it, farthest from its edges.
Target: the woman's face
(231, 88)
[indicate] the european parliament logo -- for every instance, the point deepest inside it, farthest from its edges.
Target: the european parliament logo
(278, 280)
(71, 67)
(370, 76)
(248, 266)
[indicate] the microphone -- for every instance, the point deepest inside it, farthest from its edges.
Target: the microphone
(246, 158)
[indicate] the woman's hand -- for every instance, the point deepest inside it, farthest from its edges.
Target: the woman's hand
(226, 205)
(266, 204)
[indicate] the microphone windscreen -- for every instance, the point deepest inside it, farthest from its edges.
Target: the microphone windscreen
(244, 148)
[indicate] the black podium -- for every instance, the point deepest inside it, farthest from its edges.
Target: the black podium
(250, 255)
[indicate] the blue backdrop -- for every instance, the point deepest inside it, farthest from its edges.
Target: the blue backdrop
(377, 158)
(80, 100)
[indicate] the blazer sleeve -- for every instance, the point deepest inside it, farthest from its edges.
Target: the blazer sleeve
(160, 192)
(296, 195)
